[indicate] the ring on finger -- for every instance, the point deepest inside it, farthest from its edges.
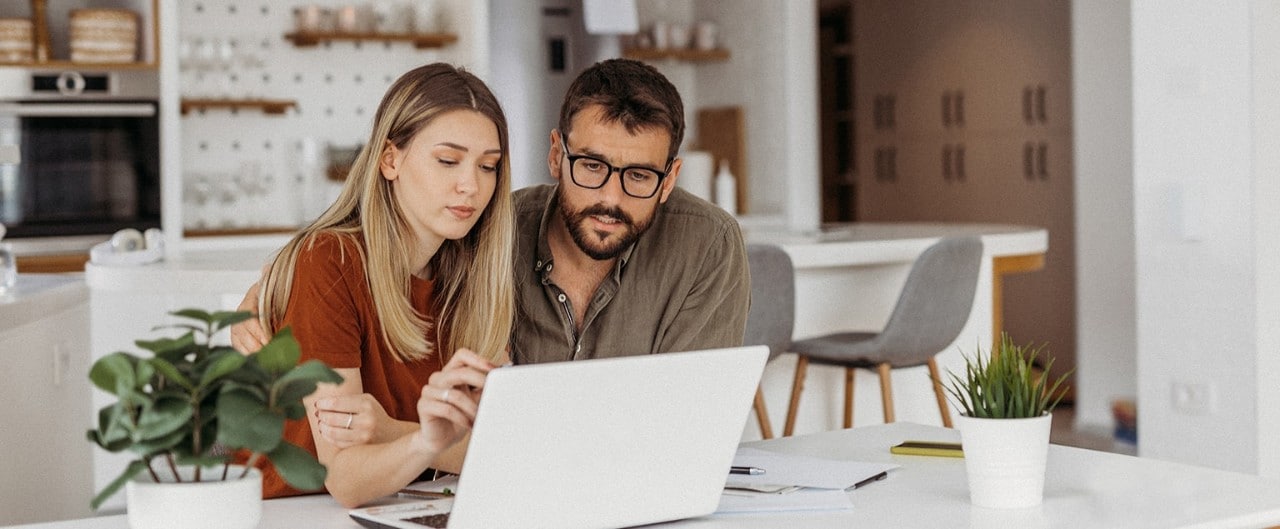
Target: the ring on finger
(445, 396)
(350, 417)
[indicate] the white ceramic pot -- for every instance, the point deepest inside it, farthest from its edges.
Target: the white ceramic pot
(208, 504)
(1004, 460)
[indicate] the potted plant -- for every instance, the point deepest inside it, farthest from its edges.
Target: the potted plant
(1006, 410)
(185, 409)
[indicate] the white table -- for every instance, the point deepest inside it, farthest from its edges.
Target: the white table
(1083, 488)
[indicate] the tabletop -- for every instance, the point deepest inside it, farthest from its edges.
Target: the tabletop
(1083, 488)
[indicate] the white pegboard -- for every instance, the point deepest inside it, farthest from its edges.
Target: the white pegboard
(245, 169)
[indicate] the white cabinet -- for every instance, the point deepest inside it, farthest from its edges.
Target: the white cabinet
(46, 462)
(978, 127)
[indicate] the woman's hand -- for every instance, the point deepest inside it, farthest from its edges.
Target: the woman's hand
(350, 420)
(248, 336)
(447, 407)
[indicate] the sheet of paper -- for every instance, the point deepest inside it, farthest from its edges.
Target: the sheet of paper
(802, 500)
(447, 482)
(803, 471)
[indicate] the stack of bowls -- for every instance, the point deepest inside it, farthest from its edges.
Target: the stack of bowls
(104, 35)
(16, 38)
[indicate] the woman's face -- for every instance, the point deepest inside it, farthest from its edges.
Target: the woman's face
(443, 179)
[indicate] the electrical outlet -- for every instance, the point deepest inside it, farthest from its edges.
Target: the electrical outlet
(1193, 398)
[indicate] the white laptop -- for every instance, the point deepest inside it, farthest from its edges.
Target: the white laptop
(596, 444)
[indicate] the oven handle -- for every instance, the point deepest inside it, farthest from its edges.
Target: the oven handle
(53, 110)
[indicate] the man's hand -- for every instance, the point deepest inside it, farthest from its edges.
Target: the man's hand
(248, 336)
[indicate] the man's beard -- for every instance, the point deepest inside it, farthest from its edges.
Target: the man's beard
(590, 243)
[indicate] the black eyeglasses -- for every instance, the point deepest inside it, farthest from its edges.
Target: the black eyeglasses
(593, 173)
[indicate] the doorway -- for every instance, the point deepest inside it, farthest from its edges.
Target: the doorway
(836, 87)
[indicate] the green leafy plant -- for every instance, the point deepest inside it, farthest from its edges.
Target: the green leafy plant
(1007, 385)
(193, 403)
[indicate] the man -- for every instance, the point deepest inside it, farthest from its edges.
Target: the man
(613, 259)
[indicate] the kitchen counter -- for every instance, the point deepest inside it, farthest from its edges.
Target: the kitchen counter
(37, 295)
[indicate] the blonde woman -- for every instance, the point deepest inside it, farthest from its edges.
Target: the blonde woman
(404, 287)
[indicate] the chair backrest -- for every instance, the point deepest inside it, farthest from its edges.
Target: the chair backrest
(935, 301)
(773, 298)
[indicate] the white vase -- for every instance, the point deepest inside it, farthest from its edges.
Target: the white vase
(208, 504)
(1004, 460)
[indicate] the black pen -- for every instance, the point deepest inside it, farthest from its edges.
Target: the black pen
(871, 479)
(748, 471)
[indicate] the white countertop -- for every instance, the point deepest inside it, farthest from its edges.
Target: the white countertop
(238, 261)
(862, 243)
(36, 296)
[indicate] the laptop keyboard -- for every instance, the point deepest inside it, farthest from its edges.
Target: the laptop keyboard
(435, 521)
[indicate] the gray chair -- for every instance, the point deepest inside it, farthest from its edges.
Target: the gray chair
(930, 313)
(772, 315)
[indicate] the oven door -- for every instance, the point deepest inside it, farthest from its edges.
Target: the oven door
(83, 167)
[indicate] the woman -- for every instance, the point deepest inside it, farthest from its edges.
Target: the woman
(403, 286)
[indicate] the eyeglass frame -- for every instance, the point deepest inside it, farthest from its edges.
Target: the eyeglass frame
(662, 175)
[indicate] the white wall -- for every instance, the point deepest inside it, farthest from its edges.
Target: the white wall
(773, 74)
(1194, 225)
(1266, 193)
(1106, 361)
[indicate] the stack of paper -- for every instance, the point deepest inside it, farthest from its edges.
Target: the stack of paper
(794, 483)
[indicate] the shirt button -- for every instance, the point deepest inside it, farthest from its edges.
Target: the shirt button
(577, 349)
(538, 265)
(561, 298)
(549, 265)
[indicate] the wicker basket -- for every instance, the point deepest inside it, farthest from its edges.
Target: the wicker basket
(16, 40)
(104, 35)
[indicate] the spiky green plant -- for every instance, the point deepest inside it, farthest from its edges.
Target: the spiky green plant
(1006, 386)
(174, 406)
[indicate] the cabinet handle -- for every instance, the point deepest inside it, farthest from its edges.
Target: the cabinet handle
(958, 113)
(1042, 163)
(959, 162)
(1041, 114)
(1028, 160)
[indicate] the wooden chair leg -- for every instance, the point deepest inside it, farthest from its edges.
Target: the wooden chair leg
(762, 416)
(886, 392)
(939, 393)
(802, 365)
(848, 397)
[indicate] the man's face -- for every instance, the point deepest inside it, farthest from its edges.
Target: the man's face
(605, 221)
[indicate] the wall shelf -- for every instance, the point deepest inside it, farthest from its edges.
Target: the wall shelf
(303, 39)
(267, 106)
(691, 55)
(83, 66)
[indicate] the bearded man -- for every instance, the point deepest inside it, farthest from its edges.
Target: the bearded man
(613, 259)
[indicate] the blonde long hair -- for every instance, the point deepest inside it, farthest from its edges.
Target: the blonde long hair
(474, 290)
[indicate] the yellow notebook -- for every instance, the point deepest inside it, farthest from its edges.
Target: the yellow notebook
(928, 448)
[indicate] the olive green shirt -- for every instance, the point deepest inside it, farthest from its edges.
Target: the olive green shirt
(683, 286)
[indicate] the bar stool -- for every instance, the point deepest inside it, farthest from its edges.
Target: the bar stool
(930, 313)
(773, 307)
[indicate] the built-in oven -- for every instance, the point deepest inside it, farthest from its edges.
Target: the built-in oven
(87, 151)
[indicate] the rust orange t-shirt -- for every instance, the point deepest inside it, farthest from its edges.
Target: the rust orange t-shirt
(332, 315)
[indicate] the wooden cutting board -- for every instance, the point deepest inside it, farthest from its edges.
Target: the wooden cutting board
(722, 132)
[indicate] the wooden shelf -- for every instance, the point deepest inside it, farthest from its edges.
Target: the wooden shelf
(267, 106)
(652, 54)
(68, 65)
(304, 39)
(267, 230)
